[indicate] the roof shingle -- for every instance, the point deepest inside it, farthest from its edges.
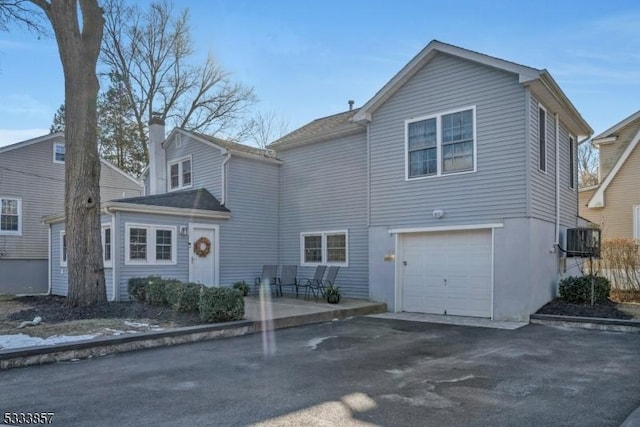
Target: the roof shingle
(190, 199)
(317, 128)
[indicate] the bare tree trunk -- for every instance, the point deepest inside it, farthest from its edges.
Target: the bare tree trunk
(79, 48)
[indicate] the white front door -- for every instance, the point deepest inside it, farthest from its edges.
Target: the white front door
(203, 254)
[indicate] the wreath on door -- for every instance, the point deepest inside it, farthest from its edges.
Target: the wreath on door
(202, 248)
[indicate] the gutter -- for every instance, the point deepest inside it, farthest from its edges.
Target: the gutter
(368, 175)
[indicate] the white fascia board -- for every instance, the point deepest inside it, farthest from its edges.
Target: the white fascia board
(165, 210)
(597, 200)
(603, 141)
(445, 228)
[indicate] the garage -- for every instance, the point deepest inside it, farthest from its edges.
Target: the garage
(447, 272)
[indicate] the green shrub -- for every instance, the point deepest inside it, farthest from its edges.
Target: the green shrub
(155, 292)
(137, 285)
(578, 289)
(184, 297)
(173, 291)
(242, 287)
(221, 305)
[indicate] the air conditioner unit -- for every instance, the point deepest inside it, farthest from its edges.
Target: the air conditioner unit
(583, 242)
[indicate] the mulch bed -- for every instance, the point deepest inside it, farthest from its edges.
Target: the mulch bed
(52, 309)
(608, 310)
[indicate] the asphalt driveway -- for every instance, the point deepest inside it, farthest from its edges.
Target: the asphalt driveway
(361, 371)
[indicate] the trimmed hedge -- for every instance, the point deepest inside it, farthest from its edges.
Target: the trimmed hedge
(155, 292)
(578, 289)
(136, 286)
(221, 305)
(183, 297)
(214, 304)
(242, 286)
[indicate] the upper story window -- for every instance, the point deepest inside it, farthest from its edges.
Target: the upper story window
(542, 139)
(58, 153)
(10, 215)
(326, 247)
(572, 162)
(441, 144)
(146, 244)
(180, 174)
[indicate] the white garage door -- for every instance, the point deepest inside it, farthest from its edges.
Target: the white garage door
(447, 273)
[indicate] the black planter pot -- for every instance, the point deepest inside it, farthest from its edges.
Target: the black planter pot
(333, 298)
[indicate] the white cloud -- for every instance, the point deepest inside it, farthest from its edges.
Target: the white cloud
(10, 136)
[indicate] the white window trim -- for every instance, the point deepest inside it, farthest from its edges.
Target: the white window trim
(179, 163)
(107, 263)
(12, 232)
(323, 235)
(636, 221)
(63, 262)
(438, 117)
(151, 244)
(546, 140)
(58, 144)
(573, 154)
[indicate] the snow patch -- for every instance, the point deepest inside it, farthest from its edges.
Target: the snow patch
(314, 342)
(22, 340)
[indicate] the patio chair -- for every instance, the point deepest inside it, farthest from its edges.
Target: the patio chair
(331, 277)
(314, 285)
(268, 278)
(288, 278)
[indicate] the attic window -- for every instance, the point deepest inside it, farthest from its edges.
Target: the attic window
(58, 153)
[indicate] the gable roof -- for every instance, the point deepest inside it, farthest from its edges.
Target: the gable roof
(224, 145)
(323, 128)
(60, 135)
(540, 82)
(618, 126)
(597, 199)
(199, 199)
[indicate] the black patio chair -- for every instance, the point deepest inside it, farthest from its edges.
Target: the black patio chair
(288, 278)
(314, 285)
(268, 278)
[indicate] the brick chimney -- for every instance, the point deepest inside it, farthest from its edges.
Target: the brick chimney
(157, 161)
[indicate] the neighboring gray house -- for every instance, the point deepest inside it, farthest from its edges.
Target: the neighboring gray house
(448, 192)
(31, 188)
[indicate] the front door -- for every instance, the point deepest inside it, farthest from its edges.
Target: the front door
(203, 254)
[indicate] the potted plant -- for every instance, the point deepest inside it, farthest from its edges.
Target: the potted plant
(333, 294)
(243, 287)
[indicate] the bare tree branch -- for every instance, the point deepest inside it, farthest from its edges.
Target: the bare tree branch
(152, 51)
(587, 165)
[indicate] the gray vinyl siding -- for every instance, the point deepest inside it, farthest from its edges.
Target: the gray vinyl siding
(30, 173)
(206, 163)
(250, 238)
(497, 190)
(543, 184)
(324, 188)
(147, 184)
(568, 195)
(178, 271)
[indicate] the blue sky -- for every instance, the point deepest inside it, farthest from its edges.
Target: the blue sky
(305, 59)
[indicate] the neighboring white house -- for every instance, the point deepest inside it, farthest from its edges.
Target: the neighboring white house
(31, 188)
(448, 192)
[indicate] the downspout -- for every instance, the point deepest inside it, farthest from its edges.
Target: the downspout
(115, 253)
(223, 184)
(557, 240)
(49, 264)
(368, 174)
